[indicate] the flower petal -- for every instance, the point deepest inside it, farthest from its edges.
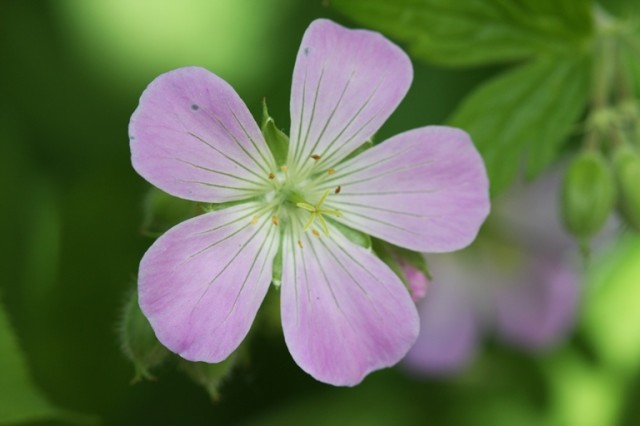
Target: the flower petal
(426, 190)
(344, 312)
(346, 83)
(539, 308)
(193, 137)
(201, 283)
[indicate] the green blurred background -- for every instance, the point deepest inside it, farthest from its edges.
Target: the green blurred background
(71, 73)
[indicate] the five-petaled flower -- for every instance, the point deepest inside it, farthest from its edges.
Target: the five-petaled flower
(344, 312)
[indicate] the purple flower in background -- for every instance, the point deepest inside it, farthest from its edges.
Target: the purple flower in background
(344, 312)
(518, 280)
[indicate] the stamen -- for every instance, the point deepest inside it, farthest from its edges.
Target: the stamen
(316, 212)
(315, 233)
(337, 191)
(322, 200)
(312, 217)
(315, 157)
(306, 206)
(275, 220)
(323, 224)
(331, 171)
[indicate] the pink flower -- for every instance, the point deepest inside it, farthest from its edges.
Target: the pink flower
(520, 282)
(418, 282)
(344, 312)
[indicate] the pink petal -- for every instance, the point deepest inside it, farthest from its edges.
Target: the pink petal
(344, 312)
(346, 83)
(426, 190)
(201, 283)
(539, 308)
(193, 137)
(418, 281)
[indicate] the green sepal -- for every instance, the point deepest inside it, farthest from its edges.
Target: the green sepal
(415, 259)
(359, 150)
(162, 211)
(385, 253)
(268, 321)
(276, 279)
(213, 376)
(221, 206)
(356, 237)
(277, 140)
(138, 342)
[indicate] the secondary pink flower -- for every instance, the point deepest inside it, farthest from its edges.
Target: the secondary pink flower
(344, 312)
(520, 282)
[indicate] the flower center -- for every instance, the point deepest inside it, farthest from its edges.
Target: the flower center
(299, 203)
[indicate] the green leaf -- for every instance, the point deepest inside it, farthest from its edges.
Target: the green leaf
(523, 116)
(630, 63)
(475, 32)
(20, 400)
(581, 393)
(611, 318)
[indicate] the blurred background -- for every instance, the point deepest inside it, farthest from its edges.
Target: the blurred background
(71, 73)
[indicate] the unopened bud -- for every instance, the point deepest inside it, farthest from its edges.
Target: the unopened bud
(138, 341)
(213, 376)
(626, 162)
(588, 194)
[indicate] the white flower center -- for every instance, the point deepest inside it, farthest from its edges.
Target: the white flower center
(298, 204)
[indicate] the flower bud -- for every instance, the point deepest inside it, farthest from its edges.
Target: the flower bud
(213, 376)
(626, 161)
(588, 194)
(138, 341)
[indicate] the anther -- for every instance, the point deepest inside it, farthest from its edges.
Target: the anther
(300, 243)
(254, 220)
(331, 171)
(275, 220)
(284, 168)
(271, 176)
(315, 157)
(315, 232)
(338, 188)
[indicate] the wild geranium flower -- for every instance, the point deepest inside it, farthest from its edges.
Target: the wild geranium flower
(344, 312)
